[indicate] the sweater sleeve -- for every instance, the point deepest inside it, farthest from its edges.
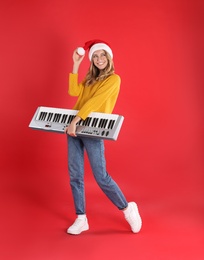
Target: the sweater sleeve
(74, 88)
(108, 89)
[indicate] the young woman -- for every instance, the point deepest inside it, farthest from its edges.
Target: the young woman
(98, 92)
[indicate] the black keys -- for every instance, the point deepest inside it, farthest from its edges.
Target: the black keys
(49, 118)
(93, 122)
(56, 118)
(64, 118)
(111, 124)
(42, 116)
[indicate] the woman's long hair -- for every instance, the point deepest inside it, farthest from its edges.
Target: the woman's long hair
(94, 74)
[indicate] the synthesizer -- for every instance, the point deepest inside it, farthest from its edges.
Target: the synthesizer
(96, 125)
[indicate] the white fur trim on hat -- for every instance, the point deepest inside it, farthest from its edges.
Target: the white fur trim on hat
(100, 46)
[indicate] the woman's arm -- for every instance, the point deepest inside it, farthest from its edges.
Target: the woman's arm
(74, 87)
(77, 59)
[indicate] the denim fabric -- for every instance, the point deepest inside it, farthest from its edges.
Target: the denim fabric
(95, 152)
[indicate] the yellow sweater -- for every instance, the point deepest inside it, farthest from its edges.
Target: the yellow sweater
(100, 97)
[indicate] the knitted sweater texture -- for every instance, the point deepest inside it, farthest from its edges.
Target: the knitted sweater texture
(99, 97)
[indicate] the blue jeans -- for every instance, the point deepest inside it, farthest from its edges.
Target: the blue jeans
(95, 152)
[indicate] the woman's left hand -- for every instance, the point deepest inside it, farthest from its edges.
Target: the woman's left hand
(71, 129)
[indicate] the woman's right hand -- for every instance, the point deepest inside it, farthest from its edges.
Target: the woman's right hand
(77, 59)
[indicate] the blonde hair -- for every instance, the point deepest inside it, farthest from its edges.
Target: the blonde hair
(94, 74)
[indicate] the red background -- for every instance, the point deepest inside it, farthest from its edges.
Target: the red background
(158, 158)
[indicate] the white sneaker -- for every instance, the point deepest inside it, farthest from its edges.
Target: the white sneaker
(133, 217)
(79, 225)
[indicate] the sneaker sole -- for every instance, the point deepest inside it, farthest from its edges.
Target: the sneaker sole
(84, 228)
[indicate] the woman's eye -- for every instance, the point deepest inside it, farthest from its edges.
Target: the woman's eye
(101, 56)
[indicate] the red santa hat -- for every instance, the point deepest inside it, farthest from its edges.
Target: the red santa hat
(94, 45)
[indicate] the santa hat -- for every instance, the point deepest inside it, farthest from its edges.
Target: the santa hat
(94, 45)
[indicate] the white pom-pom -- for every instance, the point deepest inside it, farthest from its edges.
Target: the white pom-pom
(80, 51)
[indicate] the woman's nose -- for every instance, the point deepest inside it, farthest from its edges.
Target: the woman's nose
(100, 58)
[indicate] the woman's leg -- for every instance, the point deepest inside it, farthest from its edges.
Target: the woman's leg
(95, 151)
(76, 173)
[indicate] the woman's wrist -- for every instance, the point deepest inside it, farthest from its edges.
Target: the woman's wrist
(76, 120)
(75, 69)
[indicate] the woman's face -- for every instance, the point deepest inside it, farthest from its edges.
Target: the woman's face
(99, 59)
